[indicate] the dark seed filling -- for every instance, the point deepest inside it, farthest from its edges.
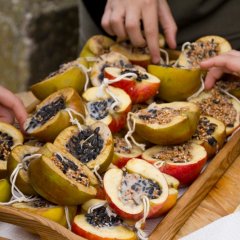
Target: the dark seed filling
(133, 187)
(46, 113)
(205, 130)
(99, 218)
(120, 145)
(229, 84)
(220, 107)
(176, 154)
(6, 142)
(140, 76)
(70, 169)
(86, 145)
(99, 109)
(198, 51)
(40, 203)
(160, 116)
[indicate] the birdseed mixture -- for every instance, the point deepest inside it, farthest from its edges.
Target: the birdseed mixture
(176, 154)
(204, 131)
(198, 51)
(100, 218)
(46, 113)
(70, 169)
(100, 109)
(6, 143)
(86, 145)
(140, 76)
(160, 116)
(120, 145)
(133, 187)
(219, 106)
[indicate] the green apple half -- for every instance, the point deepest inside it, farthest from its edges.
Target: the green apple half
(166, 129)
(61, 186)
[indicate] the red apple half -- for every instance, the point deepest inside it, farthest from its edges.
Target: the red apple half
(114, 182)
(140, 87)
(184, 162)
(116, 118)
(112, 59)
(123, 152)
(83, 227)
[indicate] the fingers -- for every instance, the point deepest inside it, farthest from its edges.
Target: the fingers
(6, 115)
(133, 26)
(212, 76)
(106, 19)
(225, 63)
(13, 103)
(150, 24)
(168, 23)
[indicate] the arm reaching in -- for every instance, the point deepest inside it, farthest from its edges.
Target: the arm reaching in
(11, 107)
(122, 18)
(225, 63)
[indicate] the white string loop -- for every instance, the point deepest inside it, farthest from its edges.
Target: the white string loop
(67, 216)
(73, 120)
(199, 91)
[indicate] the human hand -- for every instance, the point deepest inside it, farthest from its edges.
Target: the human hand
(11, 107)
(225, 63)
(123, 19)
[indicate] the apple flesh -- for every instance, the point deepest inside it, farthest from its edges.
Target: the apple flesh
(123, 153)
(96, 46)
(112, 185)
(184, 162)
(99, 106)
(112, 59)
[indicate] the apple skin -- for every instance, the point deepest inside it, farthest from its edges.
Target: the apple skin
(170, 202)
(139, 92)
(5, 190)
(177, 84)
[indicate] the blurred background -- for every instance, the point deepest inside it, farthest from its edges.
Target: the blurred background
(36, 36)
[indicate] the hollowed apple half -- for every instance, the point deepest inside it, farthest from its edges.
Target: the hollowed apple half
(112, 59)
(5, 190)
(71, 138)
(177, 84)
(50, 116)
(123, 153)
(60, 178)
(96, 46)
(68, 75)
(10, 137)
(112, 183)
(211, 134)
(16, 157)
(48, 210)
(116, 118)
(184, 162)
(205, 47)
(140, 88)
(217, 104)
(167, 123)
(83, 228)
(231, 84)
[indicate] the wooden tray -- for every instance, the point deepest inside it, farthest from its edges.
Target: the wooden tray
(171, 223)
